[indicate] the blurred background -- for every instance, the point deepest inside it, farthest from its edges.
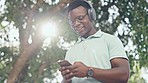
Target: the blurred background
(35, 34)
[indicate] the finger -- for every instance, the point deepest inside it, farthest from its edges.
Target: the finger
(62, 69)
(69, 76)
(74, 70)
(71, 67)
(67, 71)
(76, 74)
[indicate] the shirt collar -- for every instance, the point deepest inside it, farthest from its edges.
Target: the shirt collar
(98, 34)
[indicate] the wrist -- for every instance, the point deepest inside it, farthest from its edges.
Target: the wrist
(66, 81)
(90, 72)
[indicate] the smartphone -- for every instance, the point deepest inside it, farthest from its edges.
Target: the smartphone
(63, 63)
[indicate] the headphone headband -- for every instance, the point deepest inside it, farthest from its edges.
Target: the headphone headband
(86, 4)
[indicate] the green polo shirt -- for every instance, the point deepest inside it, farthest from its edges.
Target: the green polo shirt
(95, 51)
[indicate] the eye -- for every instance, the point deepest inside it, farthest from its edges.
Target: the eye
(80, 17)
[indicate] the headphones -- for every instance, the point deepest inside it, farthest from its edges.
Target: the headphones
(91, 11)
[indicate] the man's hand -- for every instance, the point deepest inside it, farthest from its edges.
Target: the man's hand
(79, 69)
(66, 73)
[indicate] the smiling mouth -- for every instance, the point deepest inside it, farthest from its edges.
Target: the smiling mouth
(79, 30)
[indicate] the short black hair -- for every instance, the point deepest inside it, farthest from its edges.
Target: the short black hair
(76, 3)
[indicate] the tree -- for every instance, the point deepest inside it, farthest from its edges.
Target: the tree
(131, 14)
(27, 15)
(112, 15)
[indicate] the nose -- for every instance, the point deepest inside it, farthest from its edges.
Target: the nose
(76, 23)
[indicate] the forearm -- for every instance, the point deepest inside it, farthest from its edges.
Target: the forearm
(114, 75)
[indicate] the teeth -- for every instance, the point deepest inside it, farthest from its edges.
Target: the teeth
(79, 29)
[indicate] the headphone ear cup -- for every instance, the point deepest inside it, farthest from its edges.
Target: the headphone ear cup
(89, 14)
(92, 14)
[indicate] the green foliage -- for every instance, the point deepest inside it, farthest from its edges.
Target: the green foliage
(136, 12)
(7, 59)
(135, 74)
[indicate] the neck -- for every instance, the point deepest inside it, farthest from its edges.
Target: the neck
(93, 31)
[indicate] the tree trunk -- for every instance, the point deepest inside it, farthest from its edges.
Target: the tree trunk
(21, 62)
(29, 50)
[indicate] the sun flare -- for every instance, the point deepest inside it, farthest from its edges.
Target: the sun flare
(48, 29)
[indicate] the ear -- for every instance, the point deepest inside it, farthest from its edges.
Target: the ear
(91, 11)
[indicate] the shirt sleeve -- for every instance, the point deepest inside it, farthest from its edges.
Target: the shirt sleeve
(116, 48)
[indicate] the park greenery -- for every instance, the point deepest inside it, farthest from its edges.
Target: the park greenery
(29, 56)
